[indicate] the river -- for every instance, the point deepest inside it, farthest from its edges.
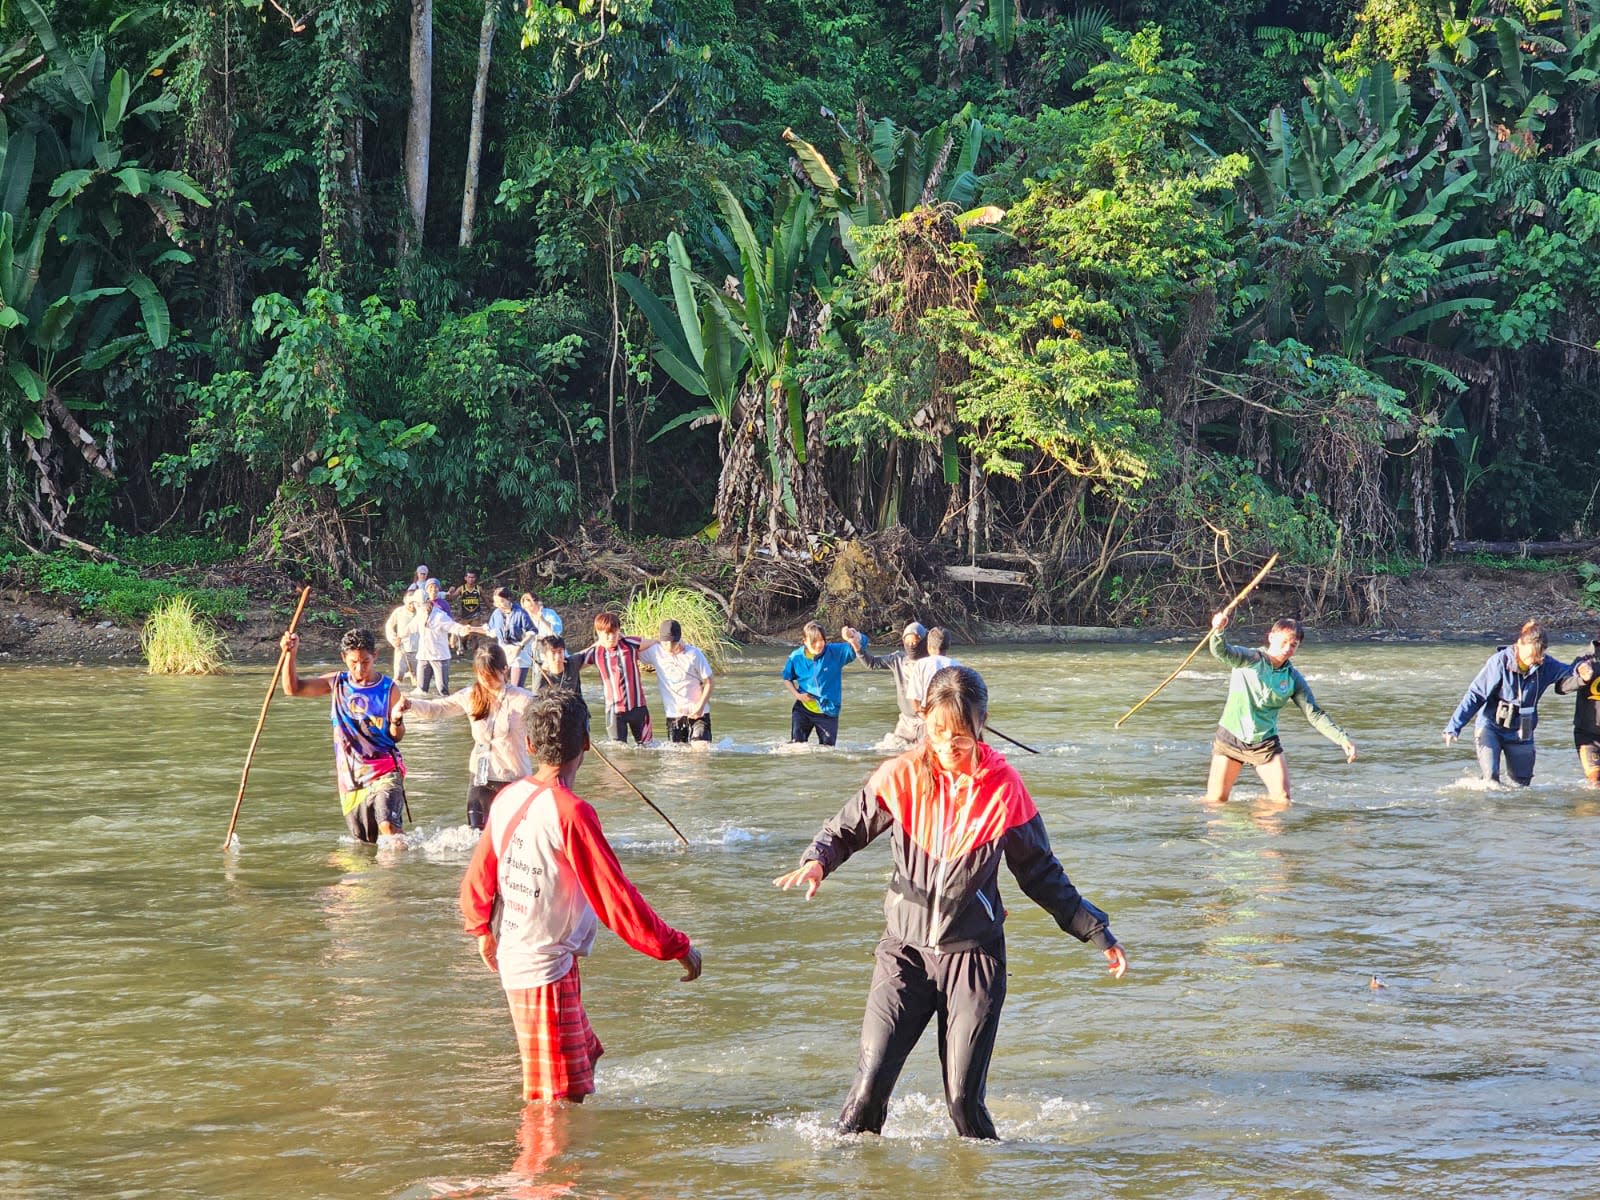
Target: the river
(303, 1017)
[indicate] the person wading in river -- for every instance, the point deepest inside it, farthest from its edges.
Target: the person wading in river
(908, 726)
(541, 881)
(499, 716)
(814, 675)
(956, 809)
(367, 728)
(616, 657)
(1585, 680)
(1261, 684)
(1505, 699)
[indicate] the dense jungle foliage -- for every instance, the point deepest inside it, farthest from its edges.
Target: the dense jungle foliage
(1098, 284)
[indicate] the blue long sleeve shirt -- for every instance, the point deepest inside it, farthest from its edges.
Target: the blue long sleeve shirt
(1500, 680)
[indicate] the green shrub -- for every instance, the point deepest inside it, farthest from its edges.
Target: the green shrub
(703, 622)
(118, 592)
(177, 640)
(178, 550)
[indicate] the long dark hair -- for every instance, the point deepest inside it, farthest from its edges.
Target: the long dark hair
(960, 693)
(490, 660)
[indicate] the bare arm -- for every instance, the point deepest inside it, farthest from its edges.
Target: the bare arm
(293, 685)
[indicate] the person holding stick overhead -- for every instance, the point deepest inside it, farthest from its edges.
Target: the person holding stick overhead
(955, 809)
(367, 728)
(541, 882)
(499, 716)
(1261, 684)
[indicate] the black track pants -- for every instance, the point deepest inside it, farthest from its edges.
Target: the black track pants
(964, 991)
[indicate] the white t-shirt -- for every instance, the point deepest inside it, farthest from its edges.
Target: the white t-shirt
(920, 674)
(682, 677)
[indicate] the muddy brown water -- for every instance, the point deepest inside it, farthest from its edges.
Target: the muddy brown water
(304, 1018)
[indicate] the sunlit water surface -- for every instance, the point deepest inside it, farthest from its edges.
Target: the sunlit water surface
(304, 1017)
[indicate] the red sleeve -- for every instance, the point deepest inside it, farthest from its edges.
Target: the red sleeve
(480, 885)
(611, 893)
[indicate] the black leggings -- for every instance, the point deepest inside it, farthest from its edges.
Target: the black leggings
(910, 987)
(479, 797)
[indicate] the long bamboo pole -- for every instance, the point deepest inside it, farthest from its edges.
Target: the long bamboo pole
(1232, 604)
(639, 793)
(277, 672)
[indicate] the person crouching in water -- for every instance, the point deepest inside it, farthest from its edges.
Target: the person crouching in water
(1505, 699)
(499, 716)
(1585, 680)
(367, 728)
(1262, 682)
(542, 880)
(956, 809)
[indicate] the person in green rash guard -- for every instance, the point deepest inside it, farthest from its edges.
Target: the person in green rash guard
(1261, 684)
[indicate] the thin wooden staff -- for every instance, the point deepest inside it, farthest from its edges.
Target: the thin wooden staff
(639, 793)
(1232, 604)
(305, 594)
(1012, 740)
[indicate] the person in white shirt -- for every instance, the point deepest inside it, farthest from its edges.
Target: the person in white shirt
(397, 632)
(686, 680)
(499, 714)
(433, 629)
(920, 673)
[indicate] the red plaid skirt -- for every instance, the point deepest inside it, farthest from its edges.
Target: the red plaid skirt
(558, 1045)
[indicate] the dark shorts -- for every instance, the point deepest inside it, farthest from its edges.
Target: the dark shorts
(1585, 737)
(802, 721)
(689, 729)
(1251, 754)
(629, 720)
(382, 800)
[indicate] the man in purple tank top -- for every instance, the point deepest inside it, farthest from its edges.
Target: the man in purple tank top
(366, 733)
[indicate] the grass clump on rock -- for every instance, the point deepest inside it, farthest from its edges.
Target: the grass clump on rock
(703, 622)
(177, 640)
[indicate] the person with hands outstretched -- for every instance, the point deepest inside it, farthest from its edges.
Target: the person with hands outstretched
(955, 809)
(1262, 683)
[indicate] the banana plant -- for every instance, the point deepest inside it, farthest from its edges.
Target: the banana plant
(890, 170)
(735, 344)
(71, 270)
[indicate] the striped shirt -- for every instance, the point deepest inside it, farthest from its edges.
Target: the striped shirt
(619, 673)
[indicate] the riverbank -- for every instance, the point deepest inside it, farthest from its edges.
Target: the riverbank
(1461, 601)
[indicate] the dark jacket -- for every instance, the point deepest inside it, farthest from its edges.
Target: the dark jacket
(945, 894)
(1500, 680)
(1586, 713)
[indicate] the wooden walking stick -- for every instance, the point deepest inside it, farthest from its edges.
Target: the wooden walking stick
(638, 793)
(1232, 604)
(277, 672)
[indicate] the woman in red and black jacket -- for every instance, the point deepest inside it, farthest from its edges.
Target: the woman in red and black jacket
(957, 809)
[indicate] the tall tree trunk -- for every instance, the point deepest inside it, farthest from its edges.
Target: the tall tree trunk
(355, 132)
(419, 128)
(480, 95)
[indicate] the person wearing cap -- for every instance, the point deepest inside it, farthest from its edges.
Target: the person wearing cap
(685, 678)
(908, 727)
(1585, 680)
